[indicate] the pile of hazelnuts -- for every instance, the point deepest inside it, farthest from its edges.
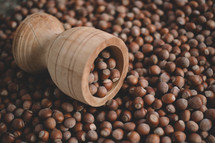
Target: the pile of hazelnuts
(103, 73)
(168, 95)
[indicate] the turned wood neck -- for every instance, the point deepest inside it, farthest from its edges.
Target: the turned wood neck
(32, 40)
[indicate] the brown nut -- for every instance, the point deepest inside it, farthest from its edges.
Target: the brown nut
(168, 98)
(44, 135)
(205, 124)
(69, 122)
(18, 124)
(56, 134)
(192, 126)
(195, 102)
(154, 70)
(152, 138)
(194, 138)
(117, 134)
(179, 136)
(133, 136)
(143, 129)
(50, 123)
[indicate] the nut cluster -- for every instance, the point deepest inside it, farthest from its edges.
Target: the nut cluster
(168, 95)
(103, 74)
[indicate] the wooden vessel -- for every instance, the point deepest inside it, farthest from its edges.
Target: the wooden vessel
(41, 43)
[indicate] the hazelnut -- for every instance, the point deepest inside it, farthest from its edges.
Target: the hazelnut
(92, 135)
(88, 118)
(153, 119)
(105, 132)
(58, 116)
(139, 91)
(192, 126)
(112, 104)
(44, 135)
(178, 81)
(205, 124)
(56, 134)
(179, 136)
(69, 122)
(168, 129)
(133, 136)
(18, 124)
(105, 74)
(111, 115)
(115, 75)
(101, 65)
(50, 123)
(185, 115)
(81, 136)
(159, 131)
(152, 138)
(194, 138)
(138, 102)
(181, 104)
(195, 102)
(210, 114)
(163, 121)
(45, 113)
(93, 89)
(143, 129)
(197, 116)
(183, 62)
(126, 116)
(166, 139)
(154, 70)
(108, 84)
(146, 48)
(163, 87)
(168, 98)
(149, 99)
(132, 80)
(101, 92)
(66, 135)
(179, 125)
(67, 107)
(117, 134)
(129, 126)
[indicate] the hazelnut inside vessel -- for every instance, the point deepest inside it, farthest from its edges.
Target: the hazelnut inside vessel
(104, 73)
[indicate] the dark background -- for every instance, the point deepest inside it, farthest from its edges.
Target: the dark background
(7, 6)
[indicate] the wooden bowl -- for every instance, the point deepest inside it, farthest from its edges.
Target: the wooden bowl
(41, 43)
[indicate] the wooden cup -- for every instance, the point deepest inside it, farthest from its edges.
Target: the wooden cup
(41, 43)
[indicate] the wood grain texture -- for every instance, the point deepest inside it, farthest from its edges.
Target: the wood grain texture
(40, 43)
(31, 40)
